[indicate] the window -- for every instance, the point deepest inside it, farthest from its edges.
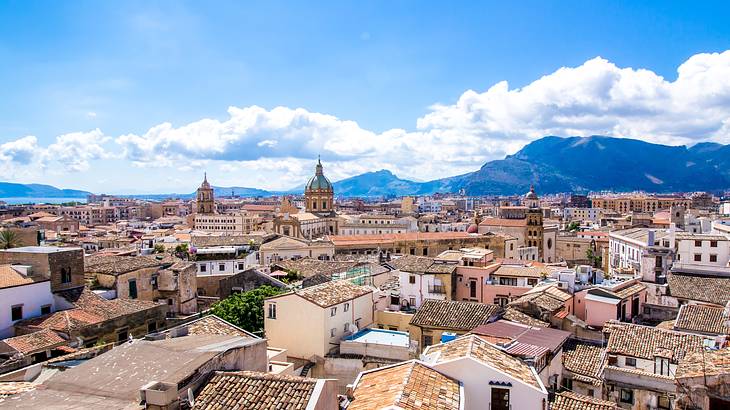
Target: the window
(412, 279)
(713, 258)
(16, 312)
(531, 282)
(133, 289)
(202, 268)
(333, 332)
(272, 310)
(664, 403)
(508, 281)
(221, 267)
(413, 251)
(65, 275)
(412, 301)
(153, 281)
(661, 366)
(347, 307)
(698, 243)
(713, 244)
(425, 251)
(240, 266)
(590, 392)
(45, 309)
(427, 341)
(122, 335)
(698, 257)
(344, 328)
(627, 396)
(631, 362)
(151, 326)
(333, 311)
(472, 288)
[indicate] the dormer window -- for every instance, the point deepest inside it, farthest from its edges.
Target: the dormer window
(661, 366)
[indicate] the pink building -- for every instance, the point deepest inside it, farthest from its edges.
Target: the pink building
(610, 301)
(497, 283)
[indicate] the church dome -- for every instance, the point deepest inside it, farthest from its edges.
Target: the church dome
(531, 194)
(319, 182)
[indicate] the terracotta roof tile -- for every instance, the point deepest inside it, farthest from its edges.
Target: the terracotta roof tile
(254, 391)
(409, 385)
(330, 293)
(514, 315)
(705, 363)
(585, 360)
(703, 289)
(702, 319)
(568, 400)
(647, 342)
(453, 314)
(35, 342)
(9, 277)
(475, 347)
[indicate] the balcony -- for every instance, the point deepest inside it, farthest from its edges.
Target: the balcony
(437, 289)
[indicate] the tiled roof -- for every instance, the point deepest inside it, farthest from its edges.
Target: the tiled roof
(421, 264)
(348, 240)
(584, 360)
(551, 339)
(703, 289)
(213, 325)
(522, 271)
(647, 342)
(568, 400)
(309, 267)
(503, 222)
(409, 385)
(35, 342)
(542, 300)
(116, 265)
(13, 388)
(475, 347)
(254, 391)
(9, 277)
(453, 314)
(630, 290)
(707, 363)
(702, 319)
(89, 309)
(330, 293)
(514, 315)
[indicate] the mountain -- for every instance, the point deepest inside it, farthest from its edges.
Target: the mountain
(13, 190)
(378, 183)
(580, 164)
(552, 164)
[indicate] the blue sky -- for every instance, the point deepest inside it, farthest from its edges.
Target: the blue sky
(135, 96)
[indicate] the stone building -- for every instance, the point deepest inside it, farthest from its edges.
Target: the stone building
(204, 199)
(63, 266)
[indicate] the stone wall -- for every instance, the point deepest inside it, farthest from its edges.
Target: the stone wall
(51, 265)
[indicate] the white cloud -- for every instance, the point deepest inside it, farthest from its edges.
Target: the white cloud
(275, 148)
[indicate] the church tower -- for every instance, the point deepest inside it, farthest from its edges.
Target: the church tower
(204, 201)
(319, 196)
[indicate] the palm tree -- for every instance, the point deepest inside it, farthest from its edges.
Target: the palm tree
(9, 239)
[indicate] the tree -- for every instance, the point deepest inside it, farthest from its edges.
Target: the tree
(9, 239)
(181, 250)
(159, 248)
(245, 310)
(596, 260)
(573, 226)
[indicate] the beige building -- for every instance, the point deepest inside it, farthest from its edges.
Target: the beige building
(629, 204)
(310, 322)
(286, 248)
(241, 223)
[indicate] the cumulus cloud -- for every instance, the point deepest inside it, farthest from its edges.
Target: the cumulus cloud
(276, 147)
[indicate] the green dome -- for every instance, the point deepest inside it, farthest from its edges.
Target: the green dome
(319, 181)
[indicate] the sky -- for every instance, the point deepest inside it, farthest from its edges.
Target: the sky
(143, 97)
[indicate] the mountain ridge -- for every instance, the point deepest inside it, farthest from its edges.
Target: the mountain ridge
(553, 164)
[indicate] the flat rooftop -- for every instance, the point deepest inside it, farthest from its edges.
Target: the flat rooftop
(381, 337)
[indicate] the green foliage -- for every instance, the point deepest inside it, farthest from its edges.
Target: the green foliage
(291, 276)
(573, 226)
(596, 260)
(245, 310)
(159, 248)
(9, 239)
(181, 249)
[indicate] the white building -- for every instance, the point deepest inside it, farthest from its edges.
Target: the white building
(240, 223)
(376, 224)
(627, 247)
(422, 278)
(22, 297)
(582, 214)
(492, 379)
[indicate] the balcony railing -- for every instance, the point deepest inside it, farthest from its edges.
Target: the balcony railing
(437, 289)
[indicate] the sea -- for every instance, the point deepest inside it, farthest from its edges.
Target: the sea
(33, 200)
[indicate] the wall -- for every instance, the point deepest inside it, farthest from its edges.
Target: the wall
(327, 399)
(49, 265)
(477, 391)
(393, 320)
(31, 296)
(298, 327)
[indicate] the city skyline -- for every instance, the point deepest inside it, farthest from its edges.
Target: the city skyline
(171, 98)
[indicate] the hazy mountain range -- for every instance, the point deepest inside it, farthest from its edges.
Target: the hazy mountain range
(552, 164)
